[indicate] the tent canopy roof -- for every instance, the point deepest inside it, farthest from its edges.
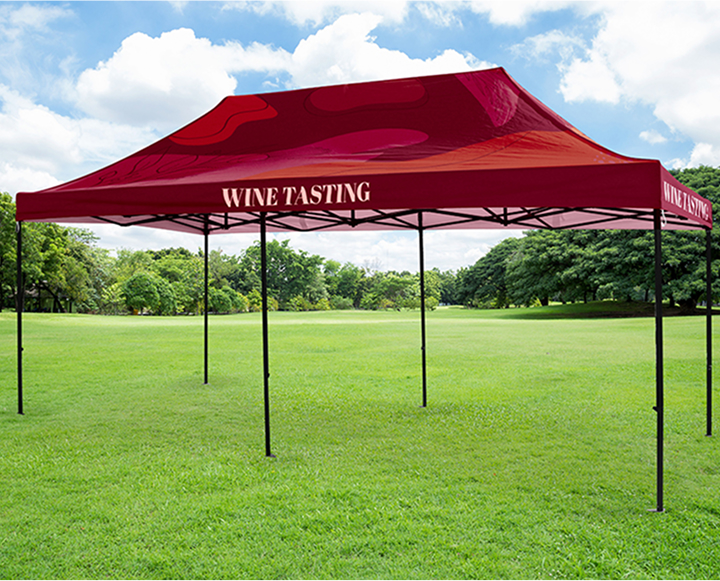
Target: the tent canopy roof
(470, 150)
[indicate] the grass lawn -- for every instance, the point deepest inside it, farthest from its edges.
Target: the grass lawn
(534, 459)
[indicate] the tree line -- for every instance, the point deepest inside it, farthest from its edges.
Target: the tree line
(64, 270)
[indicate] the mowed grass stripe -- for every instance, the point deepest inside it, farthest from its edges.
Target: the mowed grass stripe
(534, 459)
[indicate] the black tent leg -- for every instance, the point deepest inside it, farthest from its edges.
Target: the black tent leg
(206, 232)
(19, 306)
(422, 308)
(659, 386)
(266, 362)
(708, 331)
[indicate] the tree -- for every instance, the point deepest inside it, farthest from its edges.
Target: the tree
(129, 262)
(485, 283)
(166, 304)
(224, 269)
(391, 290)
(185, 273)
(433, 284)
(140, 292)
(448, 286)
(218, 301)
(255, 302)
(60, 261)
(87, 270)
(239, 303)
(289, 273)
(532, 270)
(624, 265)
(112, 299)
(350, 282)
(8, 263)
(331, 268)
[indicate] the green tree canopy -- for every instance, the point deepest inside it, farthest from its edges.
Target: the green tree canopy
(140, 292)
(290, 273)
(484, 283)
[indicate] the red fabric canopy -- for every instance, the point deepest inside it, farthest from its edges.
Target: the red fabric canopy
(470, 150)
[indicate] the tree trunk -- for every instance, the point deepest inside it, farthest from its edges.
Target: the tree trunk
(57, 303)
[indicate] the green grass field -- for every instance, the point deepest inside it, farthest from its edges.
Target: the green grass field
(534, 459)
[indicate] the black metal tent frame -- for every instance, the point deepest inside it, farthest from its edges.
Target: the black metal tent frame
(529, 218)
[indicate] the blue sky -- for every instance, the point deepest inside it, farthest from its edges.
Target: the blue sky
(85, 83)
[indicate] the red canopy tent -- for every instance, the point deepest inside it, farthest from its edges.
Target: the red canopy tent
(467, 150)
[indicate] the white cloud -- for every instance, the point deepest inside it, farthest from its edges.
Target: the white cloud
(589, 79)
(167, 81)
(318, 12)
(440, 13)
(515, 12)
(665, 54)
(14, 21)
(701, 154)
(345, 52)
(653, 137)
(705, 154)
(33, 135)
(101, 142)
(15, 179)
(454, 249)
(547, 44)
(24, 33)
(179, 5)
(39, 146)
